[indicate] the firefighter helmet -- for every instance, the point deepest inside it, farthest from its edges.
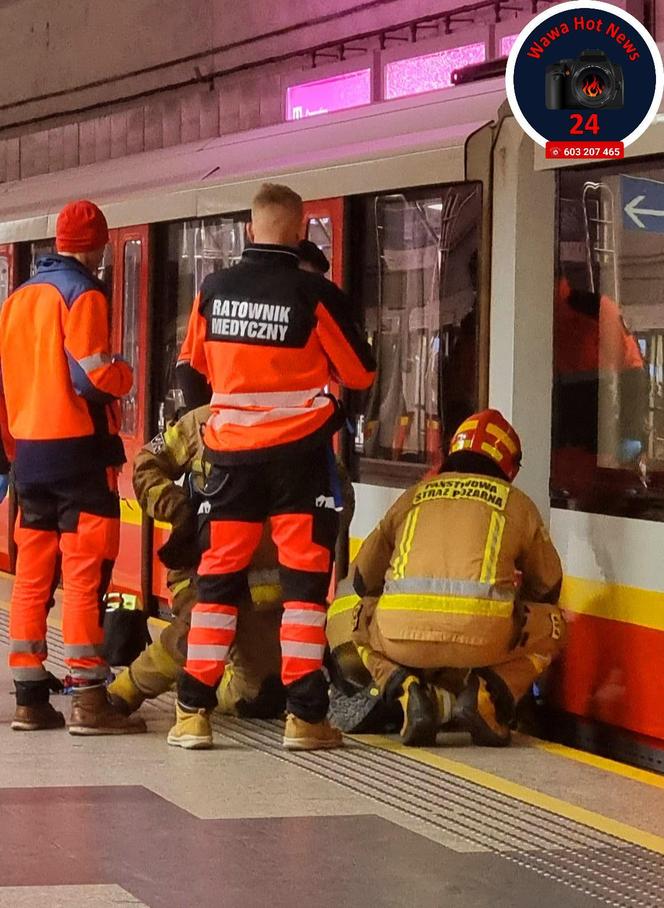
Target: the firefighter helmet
(489, 433)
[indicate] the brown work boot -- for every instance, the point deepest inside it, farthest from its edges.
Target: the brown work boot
(301, 735)
(39, 717)
(93, 713)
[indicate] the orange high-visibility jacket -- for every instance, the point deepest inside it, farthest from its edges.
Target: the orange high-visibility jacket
(269, 338)
(59, 382)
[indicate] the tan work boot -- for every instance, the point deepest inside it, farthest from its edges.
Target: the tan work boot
(124, 695)
(192, 730)
(93, 713)
(39, 717)
(301, 735)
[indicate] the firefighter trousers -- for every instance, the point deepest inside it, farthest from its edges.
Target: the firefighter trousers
(297, 496)
(513, 663)
(254, 658)
(71, 527)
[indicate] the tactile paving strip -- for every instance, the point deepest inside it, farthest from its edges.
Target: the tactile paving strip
(599, 865)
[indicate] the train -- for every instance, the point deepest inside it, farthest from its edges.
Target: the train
(450, 231)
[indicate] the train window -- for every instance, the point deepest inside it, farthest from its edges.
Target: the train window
(130, 306)
(416, 276)
(4, 278)
(319, 231)
(190, 251)
(608, 394)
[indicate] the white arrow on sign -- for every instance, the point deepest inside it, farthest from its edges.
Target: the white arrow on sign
(633, 211)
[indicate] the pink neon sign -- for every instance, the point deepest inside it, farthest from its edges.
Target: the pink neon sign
(506, 44)
(415, 75)
(310, 99)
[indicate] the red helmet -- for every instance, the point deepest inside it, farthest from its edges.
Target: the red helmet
(488, 433)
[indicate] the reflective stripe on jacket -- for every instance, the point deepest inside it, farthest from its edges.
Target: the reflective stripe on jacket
(445, 558)
(269, 338)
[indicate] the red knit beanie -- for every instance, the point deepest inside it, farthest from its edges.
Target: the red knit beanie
(81, 227)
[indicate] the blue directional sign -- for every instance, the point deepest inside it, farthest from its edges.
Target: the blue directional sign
(642, 204)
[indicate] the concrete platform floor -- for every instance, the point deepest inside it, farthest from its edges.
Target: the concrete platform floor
(130, 821)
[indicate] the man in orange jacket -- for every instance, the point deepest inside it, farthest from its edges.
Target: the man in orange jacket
(61, 388)
(269, 337)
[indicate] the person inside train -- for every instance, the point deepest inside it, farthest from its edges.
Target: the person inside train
(251, 686)
(458, 586)
(269, 338)
(600, 390)
(61, 388)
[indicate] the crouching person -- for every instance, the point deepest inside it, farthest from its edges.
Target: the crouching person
(440, 597)
(252, 686)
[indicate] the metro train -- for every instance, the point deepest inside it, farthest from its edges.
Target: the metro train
(451, 232)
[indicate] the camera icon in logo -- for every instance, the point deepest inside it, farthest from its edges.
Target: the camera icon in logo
(591, 82)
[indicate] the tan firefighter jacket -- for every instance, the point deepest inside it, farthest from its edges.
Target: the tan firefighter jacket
(445, 559)
(177, 454)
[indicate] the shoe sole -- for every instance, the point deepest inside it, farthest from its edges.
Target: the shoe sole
(28, 726)
(422, 734)
(190, 742)
(310, 744)
(480, 734)
(86, 731)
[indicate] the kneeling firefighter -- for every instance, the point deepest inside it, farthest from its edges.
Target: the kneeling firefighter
(458, 586)
(251, 686)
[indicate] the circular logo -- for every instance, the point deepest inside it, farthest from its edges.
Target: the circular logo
(584, 73)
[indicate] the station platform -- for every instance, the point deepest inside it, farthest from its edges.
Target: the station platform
(92, 822)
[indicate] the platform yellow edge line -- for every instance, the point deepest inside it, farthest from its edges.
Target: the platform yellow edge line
(605, 764)
(531, 796)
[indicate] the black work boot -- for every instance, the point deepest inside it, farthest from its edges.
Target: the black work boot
(33, 710)
(478, 713)
(419, 713)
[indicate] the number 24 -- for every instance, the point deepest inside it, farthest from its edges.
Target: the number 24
(591, 124)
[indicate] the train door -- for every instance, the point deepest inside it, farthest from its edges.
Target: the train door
(8, 280)
(187, 252)
(130, 281)
(415, 271)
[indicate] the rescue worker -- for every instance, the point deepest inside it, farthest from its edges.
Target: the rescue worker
(251, 685)
(439, 594)
(600, 390)
(269, 338)
(61, 388)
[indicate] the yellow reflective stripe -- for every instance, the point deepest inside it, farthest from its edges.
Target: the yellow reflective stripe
(181, 585)
(342, 604)
(494, 541)
(457, 605)
(494, 453)
(406, 543)
(176, 445)
(502, 436)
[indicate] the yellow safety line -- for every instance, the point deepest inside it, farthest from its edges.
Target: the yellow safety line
(55, 622)
(520, 793)
(633, 773)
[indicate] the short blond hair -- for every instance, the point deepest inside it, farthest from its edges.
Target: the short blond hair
(275, 195)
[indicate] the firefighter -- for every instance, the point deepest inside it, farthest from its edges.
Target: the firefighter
(269, 337)
(61, 388)
(438, 581)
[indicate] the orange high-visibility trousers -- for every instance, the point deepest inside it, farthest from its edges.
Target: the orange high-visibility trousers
(73, 525)
(297, 499)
